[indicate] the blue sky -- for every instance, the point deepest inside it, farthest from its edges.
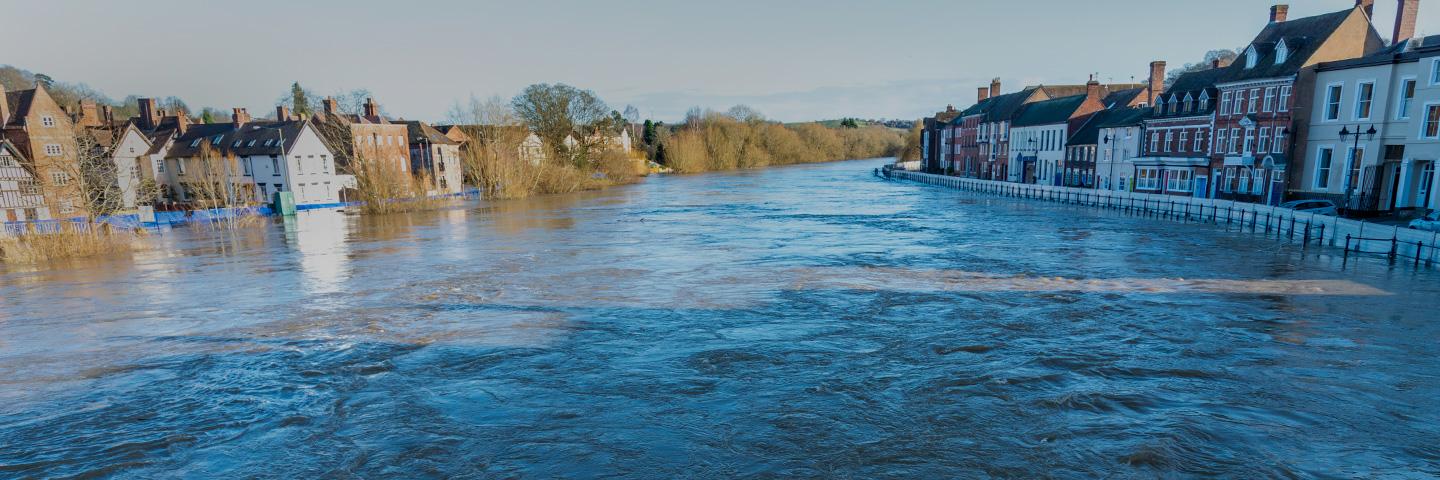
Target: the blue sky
(792, 60)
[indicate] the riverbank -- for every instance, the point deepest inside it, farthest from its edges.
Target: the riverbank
(1396, 243)
(716, 142)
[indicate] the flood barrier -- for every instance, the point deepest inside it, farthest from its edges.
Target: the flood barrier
(1356, 237)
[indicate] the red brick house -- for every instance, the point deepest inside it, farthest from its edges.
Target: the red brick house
(1255, 128)
(1176, 138)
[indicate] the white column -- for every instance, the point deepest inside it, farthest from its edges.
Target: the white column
(1404, 196)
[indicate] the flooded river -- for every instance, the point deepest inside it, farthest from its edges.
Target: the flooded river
(808, 321)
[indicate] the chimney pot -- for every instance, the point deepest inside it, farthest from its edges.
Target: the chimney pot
(371, 109)
(1405, 13)
(1279, 13)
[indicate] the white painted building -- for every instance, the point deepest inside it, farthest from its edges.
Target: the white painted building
(269, 157)
(1119, 137)
(1397, 93)
(20, 196)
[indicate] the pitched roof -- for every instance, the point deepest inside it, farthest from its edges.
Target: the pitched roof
(254, 138)
(421, 130)
(1089, 132)
(1005, 106)
(1404, 52)
(1048, 112)
(1302, 38)
(18, 102)
(1121, 98)
(1124, 117)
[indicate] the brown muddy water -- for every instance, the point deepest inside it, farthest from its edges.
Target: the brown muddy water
(808, 321)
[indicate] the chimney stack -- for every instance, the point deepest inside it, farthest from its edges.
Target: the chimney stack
(1092, 89)
(89, 115)
(149, 115)
(4, 110)
(107, 115)
(1405, 14)
(371, 109)
(1157, 80)
(982, 94)
(1368, 5)
(995, 87)
(239, 117)
(331, 106)
(1279, 13)
(282, 113)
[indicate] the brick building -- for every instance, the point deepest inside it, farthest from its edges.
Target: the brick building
(1176, 138)
(367, 135)
(1255, 120)
(41, 131)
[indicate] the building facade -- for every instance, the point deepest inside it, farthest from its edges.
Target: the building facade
(1258, 93)
(251, 161)
(20, 198)
(42, 132)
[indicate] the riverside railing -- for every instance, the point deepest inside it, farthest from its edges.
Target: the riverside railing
(1281, 223)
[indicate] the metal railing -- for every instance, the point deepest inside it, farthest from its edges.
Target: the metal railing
(1395, 251)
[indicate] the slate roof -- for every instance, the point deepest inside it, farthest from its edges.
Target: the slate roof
(1048, 112)
(253, 138)
(1121, 98)
(18, 102)
(1005, 106)
(1089, 133)
(1195, 84)
(420, 130)
(1405, 52)
(1302, 37)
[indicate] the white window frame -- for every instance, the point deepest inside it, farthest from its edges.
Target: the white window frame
(1262, 141)
(1332, 97)
(1199, 140)
(1174, 185)
(1359, 89)
(1279, 145)
(1247, 146)
(1354, 164)
(1435, 72)
(1254, 99)
(1402, 104)
(1169, 140)
(1284, 99)
(1269, 105)
(1184, 140)
(1428, 118)
(1221, 136)
(54, 150)
(47, 120)
(1224, 103)
(1234, 146)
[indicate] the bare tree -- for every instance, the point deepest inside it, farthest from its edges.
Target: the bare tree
(556, 112)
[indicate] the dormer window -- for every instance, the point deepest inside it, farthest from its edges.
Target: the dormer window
(217, 139)
(1282, 53)
(195, 143)
(269, 142)
(1189, 102)
(1160, 106)
(250, 144)
(236, 144)
(1204, 100)
(1252, 57)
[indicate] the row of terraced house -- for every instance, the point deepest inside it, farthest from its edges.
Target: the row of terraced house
(45, 148)
(1321, 107)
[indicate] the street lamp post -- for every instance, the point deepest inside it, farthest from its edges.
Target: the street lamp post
(1034, 157)
(1354, 160)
